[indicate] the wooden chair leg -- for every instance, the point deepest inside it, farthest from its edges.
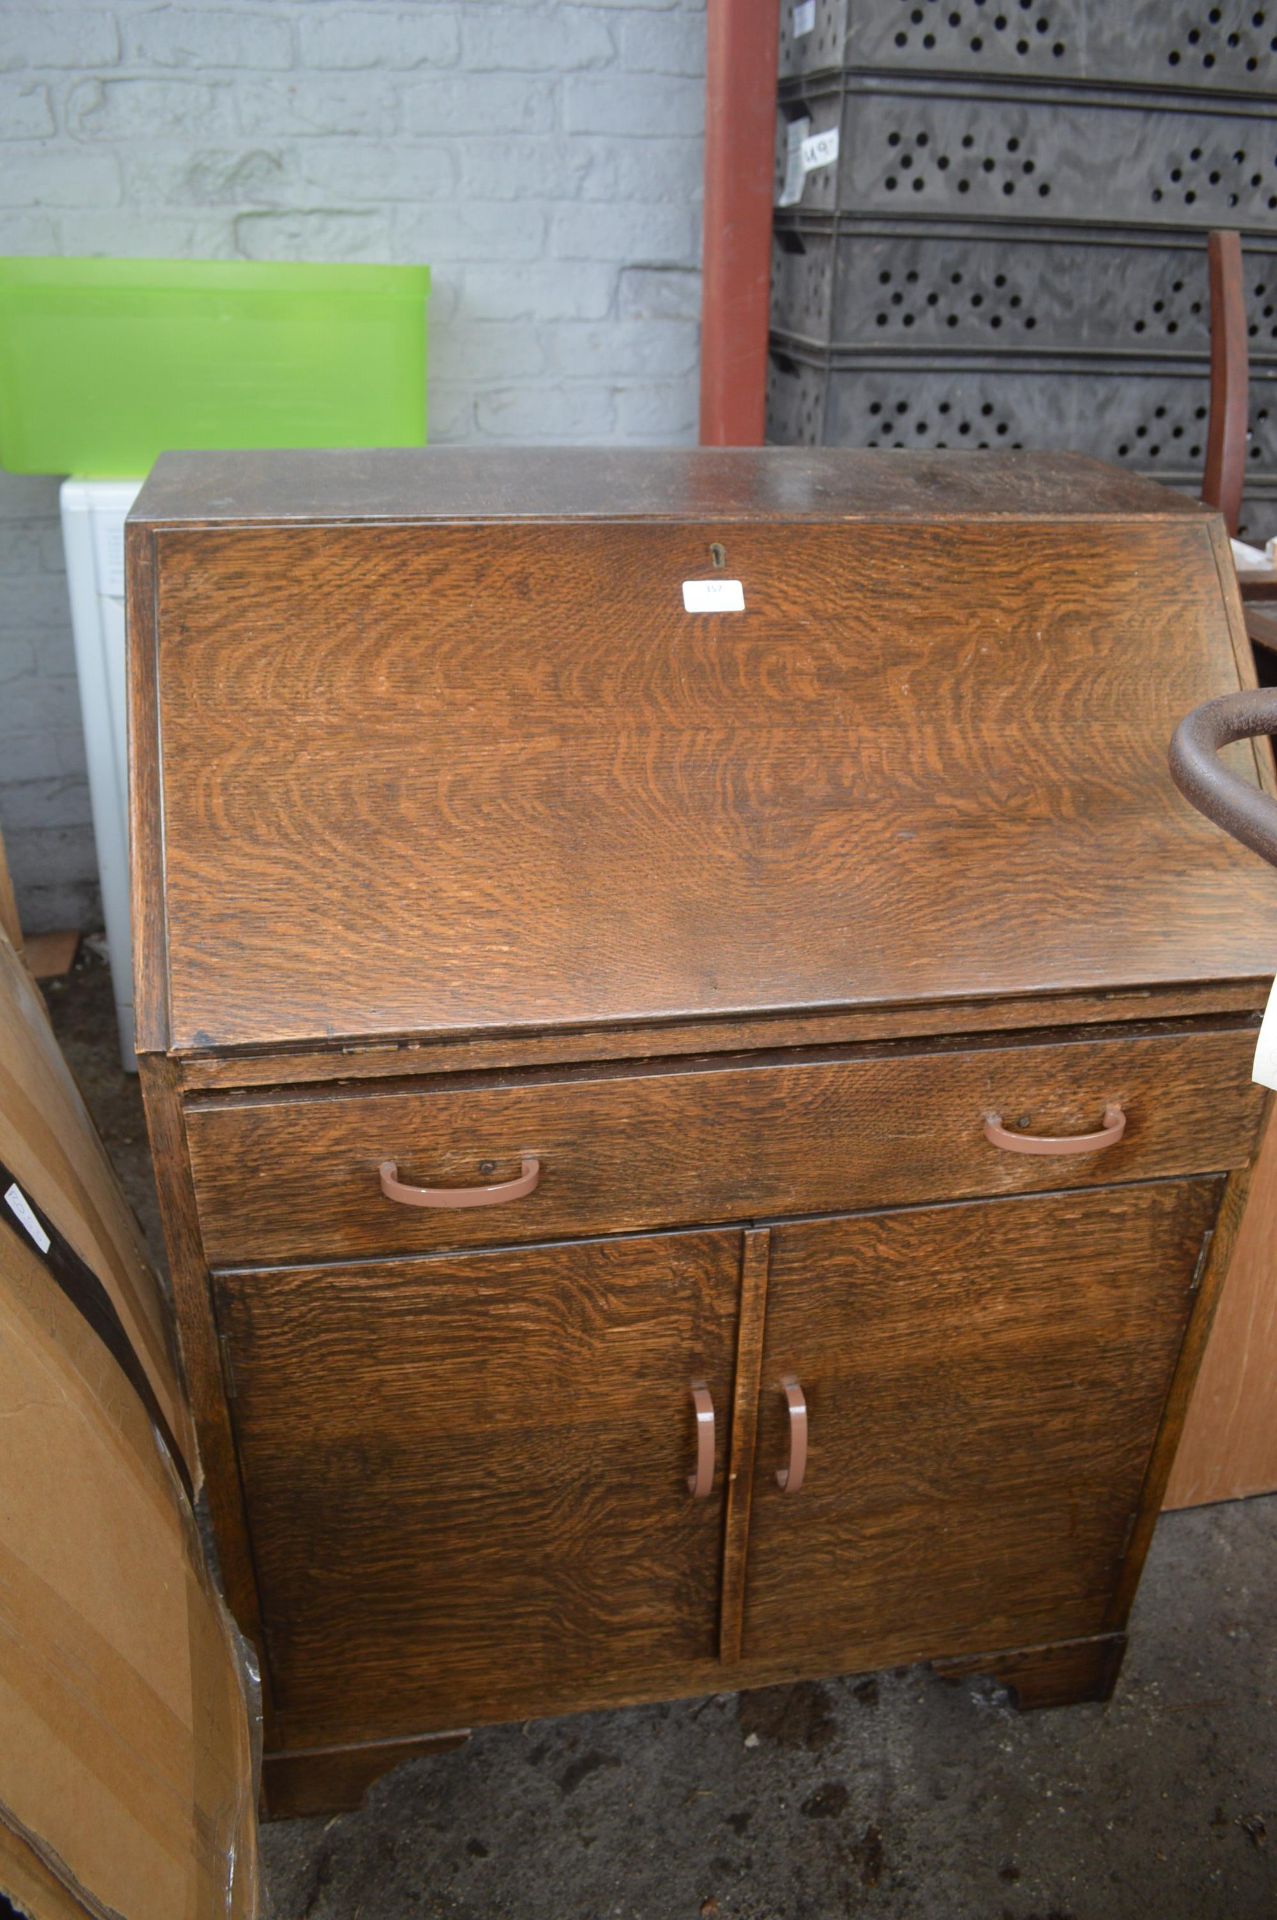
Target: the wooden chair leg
(1226, 433)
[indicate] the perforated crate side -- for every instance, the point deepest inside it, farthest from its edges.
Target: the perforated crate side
(911, 153)
(1191, 44)
(948, 291)
(820, 188)
(796, 396)
(823, 48)
(1153, 421)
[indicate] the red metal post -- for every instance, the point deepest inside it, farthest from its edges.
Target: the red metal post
(740, 122)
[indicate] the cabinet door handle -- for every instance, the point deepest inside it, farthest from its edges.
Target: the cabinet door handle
(1108, 1136)
(701, 1483)
(790, 1478)
(394, 1189)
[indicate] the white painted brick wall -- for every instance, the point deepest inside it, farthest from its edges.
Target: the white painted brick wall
(542, 156)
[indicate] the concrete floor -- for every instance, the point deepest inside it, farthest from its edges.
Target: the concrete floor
(897, 1796)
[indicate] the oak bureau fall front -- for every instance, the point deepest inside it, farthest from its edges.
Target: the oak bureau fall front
(698, 1066)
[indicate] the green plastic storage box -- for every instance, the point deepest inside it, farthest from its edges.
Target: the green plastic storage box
(106, 363)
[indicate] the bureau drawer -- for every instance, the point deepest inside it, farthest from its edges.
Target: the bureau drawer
(297, 1178)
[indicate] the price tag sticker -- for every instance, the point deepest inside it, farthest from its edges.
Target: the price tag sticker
(804, 18)
(1265, 1068)
(820, 150)
(791, 191)
(713, 596)
(20, 1207)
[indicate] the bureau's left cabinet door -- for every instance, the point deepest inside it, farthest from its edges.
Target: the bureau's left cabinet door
(467, 1479)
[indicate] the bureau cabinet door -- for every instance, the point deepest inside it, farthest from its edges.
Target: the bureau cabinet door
(983, 1385)
(467, 1479)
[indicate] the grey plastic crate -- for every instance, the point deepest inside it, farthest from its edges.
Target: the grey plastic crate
(1155, 421)
(948, 289)
(1192, 44)
(912, 151)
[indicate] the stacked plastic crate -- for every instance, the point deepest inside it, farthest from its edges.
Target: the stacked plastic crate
(991, 226)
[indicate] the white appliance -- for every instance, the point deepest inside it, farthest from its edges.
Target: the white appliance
(93, 535)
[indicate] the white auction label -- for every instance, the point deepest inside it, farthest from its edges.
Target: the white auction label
(791, 191)
(1265, 1067)
(820, 150)
(713, 596)
(18, 1204)
(804, 18)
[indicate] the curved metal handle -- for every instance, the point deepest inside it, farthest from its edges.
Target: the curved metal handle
(790, 1478)
(701, 1483)
(395, 1189)
(1108, 1136)
(1233, 804)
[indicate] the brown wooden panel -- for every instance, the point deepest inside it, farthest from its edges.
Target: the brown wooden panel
(1229, 1444)
(665, 483)
(756, 1257)
(396, 1060)
(1056, 1676)
(295, 1178)
(984, 1385)
(467, 1479)
(335, 1779)
(923, 763)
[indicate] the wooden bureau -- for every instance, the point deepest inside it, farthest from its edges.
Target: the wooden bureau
(843, 1022)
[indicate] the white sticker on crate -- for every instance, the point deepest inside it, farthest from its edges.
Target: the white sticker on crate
(820, 150)
(804, 18)
(791, 191)
(713, 596)
(1265, 1067)
(20, 1207)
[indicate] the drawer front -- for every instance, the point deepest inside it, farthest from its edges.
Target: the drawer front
(284, 1179)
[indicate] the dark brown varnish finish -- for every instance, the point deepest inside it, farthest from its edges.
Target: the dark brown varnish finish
(459, 841)
(1014, 1439)
(294, 1179)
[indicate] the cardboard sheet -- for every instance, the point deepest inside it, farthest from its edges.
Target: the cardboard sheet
(127, 1766)
(48, 1140)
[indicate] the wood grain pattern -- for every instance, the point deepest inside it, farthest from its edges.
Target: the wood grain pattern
(595, 483)
(755, 1259)
(200, 1356)
(984, 1385)
(714, 815)
(146, 796)
(328, 1780)
(296, 1178)
(467, 1479)
(1209, 1281)
(381, 1060)
(1229, 1445)
(1062, 1675)
(458, 839)
(335, 1779)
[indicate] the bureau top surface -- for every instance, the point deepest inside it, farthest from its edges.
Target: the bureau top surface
(429, 744)
(593, 483)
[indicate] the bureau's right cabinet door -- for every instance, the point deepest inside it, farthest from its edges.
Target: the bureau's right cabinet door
(982, 1386)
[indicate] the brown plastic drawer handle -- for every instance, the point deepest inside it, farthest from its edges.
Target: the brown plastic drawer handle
(701, 1483)
(790, 1478)
(394, 1189)
(1108, 1136)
